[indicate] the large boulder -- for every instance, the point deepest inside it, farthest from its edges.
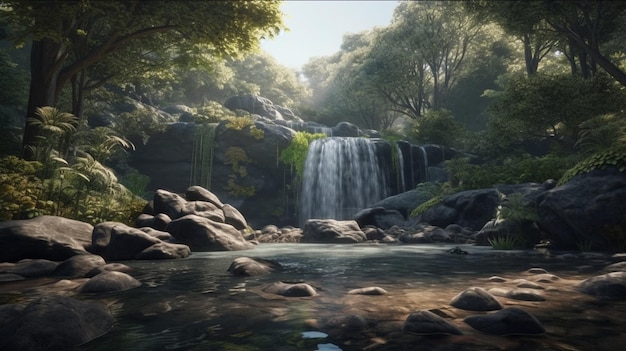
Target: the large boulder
(471, 208)
(52, 323)
(589, 210)
(247, 174)
(332, 231)
(167, 157)
(47, 237)
(254, 104)
(118, 242)
(202, 234)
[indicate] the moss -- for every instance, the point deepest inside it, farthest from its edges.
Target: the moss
(295, 154)
(615, 156)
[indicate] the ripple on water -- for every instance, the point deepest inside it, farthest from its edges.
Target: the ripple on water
(194, 304)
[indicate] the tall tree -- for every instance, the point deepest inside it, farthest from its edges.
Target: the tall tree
(69, 37)
(440, 33)
(525, 20)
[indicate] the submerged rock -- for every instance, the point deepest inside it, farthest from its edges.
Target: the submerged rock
(52, 323)
(291, 290)
(427, 323)
(476, 299)
(509, 321)
(251, 266)
(109, 282)
(610, 285)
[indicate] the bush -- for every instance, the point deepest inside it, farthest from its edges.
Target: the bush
(438, 127)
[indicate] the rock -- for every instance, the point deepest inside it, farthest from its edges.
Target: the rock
(291, 290)
(198, 193)
(523, 283)
(52, 323)
(497, 279)
(476, 299)
(332, 231)
(264, 179)
(118, 267)
(254, 104)
(78, 266)
(471, 208)
(164, 251)
(167, 157)
(111, 281)
(616, 267)
(233, 217)
(371, 290)
(610, 286)
(157, 234)
(32, 268)
(202, 234)
(158, 222)
(379, 217)
(346, 322)
(168, 203)
(517, 294)
(588, 209)
(525, 295)
(251, 266)
(404, 202)
(509, 321)
(203, 209)
(124, 242)
(47, 237)
(425, 234)
(10, 277)
(427, 323)
(346, 129)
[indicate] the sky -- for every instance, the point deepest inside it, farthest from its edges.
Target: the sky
(317, 27)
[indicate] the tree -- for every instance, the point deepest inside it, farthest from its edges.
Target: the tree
(524, 20)
(439, 33)
(69, 37)
(550, 105)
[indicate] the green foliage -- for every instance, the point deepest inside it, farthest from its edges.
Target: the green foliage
(139, 122)
(601, 133)
(239, 123)
(295, 154)
(237, 158)
(202, 159)
(135, 182)
(514, 208)
(20, 188)
(505, 242)
(212, 112)
(614, 156)
(438, 127)
(426, 205)
(547, 105)
(513, 170)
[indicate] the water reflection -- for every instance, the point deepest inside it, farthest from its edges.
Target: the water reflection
(194, 304)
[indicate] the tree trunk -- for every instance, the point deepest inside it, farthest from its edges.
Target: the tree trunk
(45, 61)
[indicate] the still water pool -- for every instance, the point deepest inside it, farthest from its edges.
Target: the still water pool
(195, 304)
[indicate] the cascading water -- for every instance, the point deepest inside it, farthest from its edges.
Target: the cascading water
(341, 177)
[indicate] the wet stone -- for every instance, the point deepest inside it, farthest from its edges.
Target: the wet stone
(291, 290)
(496, 279)
(509, 321)
(371, 290)
(476, 299)
(427, 323)
(610, 285)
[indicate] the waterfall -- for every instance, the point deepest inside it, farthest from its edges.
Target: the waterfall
(414, 160)
(341, 177)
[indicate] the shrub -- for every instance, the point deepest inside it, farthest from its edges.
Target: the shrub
(295, 154)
